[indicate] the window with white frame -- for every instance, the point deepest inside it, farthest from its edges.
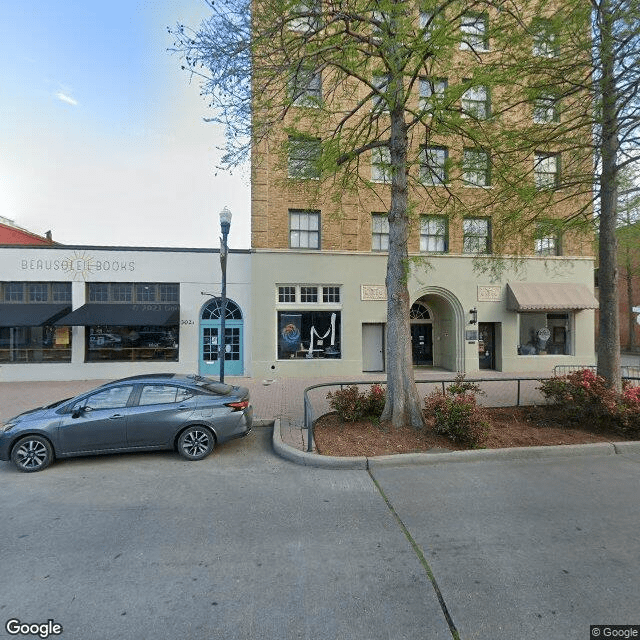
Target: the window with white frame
(545, 42)
(545, 109)
(431, 91)
(330, 294)
(308, 294)
(381, 165)
(433, 165)
(305, 88)
(379, 232)
(475, 103)
(304, 157)
(473, 27)
(304, 229)
(381, 83)
(476, 168)
(546, 170)
(286, 294)
(547, 240)
(433, 234)
(476, 235)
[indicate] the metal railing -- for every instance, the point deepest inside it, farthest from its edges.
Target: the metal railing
(629, 372)
(497, 392)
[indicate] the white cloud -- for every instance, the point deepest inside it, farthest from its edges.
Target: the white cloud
(65, 98)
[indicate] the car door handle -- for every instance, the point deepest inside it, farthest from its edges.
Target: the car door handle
(115, 416)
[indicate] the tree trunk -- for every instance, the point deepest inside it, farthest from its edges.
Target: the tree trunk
(609, 338)
(403, 405)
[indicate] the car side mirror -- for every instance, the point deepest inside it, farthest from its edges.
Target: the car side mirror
(78, 411)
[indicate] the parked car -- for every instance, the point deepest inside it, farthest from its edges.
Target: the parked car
(190, 414)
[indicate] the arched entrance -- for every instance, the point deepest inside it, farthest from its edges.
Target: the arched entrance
(421, 334)
(437, 323)
(210, 320)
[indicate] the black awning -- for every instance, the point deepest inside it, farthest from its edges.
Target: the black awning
(31, 315)
(123, 315)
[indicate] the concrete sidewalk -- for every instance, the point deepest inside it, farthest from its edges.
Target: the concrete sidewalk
(278, 399)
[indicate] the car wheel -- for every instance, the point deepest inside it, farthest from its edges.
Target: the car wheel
(195, 443)
(32, 453)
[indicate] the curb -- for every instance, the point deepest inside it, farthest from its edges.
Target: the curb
(405, 459)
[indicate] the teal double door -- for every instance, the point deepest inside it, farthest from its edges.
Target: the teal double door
(210, 332)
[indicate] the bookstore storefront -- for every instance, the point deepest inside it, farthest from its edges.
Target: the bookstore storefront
(103, 313)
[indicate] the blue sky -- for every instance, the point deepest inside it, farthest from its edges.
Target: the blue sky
(102, 138)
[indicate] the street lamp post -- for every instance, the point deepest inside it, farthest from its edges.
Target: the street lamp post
(225, 225)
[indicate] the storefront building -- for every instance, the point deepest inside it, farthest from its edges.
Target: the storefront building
(330, 318)
(73, 312)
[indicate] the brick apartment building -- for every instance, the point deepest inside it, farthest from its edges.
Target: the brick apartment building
(320, 256)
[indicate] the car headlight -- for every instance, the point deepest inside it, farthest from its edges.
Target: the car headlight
(7, 427)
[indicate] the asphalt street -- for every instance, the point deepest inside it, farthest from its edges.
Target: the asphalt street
(246, 545)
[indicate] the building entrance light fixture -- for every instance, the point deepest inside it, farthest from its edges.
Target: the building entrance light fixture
(225, 225)
(474, 316)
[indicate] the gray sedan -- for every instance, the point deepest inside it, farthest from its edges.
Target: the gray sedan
(189, 414)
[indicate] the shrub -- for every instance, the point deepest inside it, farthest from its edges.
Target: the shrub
(352, 405)
(585, 396)
(456, 414)
(461, 386)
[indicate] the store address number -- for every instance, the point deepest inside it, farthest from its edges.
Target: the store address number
(187, 322)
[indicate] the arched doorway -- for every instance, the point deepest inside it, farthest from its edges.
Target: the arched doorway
(421, 334)
(210, 320)
(437, 318)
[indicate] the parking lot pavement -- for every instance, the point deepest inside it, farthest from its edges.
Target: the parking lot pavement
(527, 549)
(242, 545)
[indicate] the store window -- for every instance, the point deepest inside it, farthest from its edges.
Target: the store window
(133, 341)
(308, 334)
(33, 338)
(544, 333)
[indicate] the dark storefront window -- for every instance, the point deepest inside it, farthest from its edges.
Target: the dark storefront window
(308, 334)
(35, 344)
(121, 337)
(28, 311)
(132, 343)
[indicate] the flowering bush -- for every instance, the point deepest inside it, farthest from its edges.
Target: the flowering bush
(585, 396)
(456, 415)
(352, 405)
